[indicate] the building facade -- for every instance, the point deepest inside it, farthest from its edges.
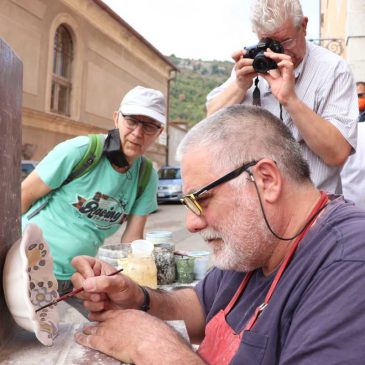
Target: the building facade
(79, 59)
(343, 31)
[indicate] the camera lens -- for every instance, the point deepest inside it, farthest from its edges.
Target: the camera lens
(260, 64)
(263, 64)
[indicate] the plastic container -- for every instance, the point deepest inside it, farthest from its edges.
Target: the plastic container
(140, 264)
(201, 263)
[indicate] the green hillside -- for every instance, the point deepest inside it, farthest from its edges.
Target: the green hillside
(192, 84)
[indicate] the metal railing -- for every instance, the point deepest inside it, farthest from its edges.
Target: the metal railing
(333, 44)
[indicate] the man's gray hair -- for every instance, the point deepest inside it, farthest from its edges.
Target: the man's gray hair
(239, 134)
(269, 15)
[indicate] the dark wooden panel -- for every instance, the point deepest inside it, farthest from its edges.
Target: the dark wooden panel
(11, 79)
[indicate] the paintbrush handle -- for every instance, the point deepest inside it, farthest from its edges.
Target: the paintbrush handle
(178, 253)
(69, 295)
(72, 293)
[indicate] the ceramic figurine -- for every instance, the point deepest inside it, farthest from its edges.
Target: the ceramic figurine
(29, 283)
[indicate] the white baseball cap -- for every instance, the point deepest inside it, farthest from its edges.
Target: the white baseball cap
(144, 101)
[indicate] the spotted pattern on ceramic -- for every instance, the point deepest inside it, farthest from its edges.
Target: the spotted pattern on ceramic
(29, 283)
(41, 292)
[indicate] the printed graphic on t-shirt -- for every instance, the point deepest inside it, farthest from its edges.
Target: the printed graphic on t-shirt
(103, 210)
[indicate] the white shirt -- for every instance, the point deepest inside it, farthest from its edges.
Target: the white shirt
(353, 172)
(325, 84)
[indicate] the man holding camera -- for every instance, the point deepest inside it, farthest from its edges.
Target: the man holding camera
(311, 89)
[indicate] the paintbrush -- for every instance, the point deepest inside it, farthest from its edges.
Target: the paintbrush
(182, 253)
(71, 293)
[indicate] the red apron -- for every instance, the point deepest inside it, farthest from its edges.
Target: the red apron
(221, 343)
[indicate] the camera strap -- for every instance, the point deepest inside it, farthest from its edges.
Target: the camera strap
(257, 98)
(256, 93)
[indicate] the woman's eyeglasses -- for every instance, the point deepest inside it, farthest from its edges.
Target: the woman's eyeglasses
(149, 128)
(191, 200)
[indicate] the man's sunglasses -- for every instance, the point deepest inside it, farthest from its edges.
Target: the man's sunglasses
(191, 200)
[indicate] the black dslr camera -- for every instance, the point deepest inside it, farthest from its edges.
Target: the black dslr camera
(261, 63)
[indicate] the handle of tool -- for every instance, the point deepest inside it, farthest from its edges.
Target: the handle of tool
(72, 293)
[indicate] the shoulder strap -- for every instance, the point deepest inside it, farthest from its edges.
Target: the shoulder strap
(144, 175)
(90, 158)
(88, 161)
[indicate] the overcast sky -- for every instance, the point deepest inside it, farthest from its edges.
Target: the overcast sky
(199, 29)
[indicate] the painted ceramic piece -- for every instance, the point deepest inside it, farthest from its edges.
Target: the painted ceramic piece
(29, 283)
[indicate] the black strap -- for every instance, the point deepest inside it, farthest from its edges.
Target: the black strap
(146, 302)
(256, 93)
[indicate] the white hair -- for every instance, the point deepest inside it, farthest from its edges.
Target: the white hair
(269, 15)
(242, 133)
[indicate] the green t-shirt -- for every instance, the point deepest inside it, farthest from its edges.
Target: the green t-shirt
(82, 213)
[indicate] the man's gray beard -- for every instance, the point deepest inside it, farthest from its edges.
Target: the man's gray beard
(246, 239)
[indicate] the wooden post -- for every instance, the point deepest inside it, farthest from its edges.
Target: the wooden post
(11, 80)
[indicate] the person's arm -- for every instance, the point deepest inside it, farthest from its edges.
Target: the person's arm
(52, 170)
(321, 136)
(115, 292)
(32, 189)
(134, 229)
(238, 84)
(142, 207)
(135, 337)
(180, 304)
(231, 95)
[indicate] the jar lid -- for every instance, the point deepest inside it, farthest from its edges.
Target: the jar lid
(159, 234)
(198, 253)
(167, 245)
(142, 248)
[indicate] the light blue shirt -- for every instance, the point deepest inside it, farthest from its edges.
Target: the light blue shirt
(82, 213)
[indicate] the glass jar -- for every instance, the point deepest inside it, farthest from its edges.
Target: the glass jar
(113, 253)
(141, 269)
(140, 265)
(184, 269)
(165, 263)
(160, 237)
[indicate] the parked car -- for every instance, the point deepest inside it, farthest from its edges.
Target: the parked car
(27, 167)
(169, 184)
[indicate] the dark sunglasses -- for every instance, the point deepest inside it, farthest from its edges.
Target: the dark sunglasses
(191, 200)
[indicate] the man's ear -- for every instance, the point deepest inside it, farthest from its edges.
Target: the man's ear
(268, 179)
(115, 118)
(304, 24)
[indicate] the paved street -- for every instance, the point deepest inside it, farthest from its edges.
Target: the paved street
(170, 217)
